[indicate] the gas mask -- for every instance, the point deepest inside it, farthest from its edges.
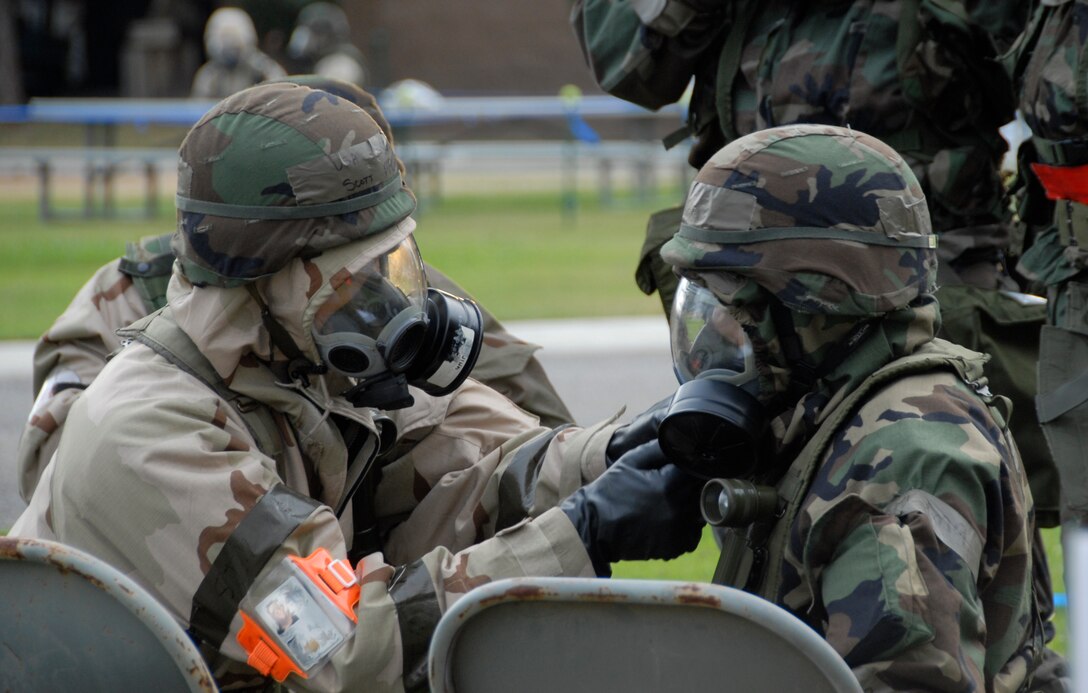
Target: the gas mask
(384, 329)
(716, 422)
(303, 43)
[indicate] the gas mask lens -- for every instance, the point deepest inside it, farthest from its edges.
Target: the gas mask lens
(706, 338)
(715, 422)
(375, 319)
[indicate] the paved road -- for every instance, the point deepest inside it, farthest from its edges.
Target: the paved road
(597, 366)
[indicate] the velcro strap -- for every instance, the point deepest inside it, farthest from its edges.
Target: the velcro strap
(1061, 152)
(1063, 182)
(1072, 394)
(952, 529)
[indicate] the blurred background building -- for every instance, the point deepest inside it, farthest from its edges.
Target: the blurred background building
(152, 48)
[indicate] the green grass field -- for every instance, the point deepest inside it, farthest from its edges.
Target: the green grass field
(520, 255)
(523, 256)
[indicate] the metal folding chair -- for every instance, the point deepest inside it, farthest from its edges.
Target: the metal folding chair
(574, 634)
(69, 622)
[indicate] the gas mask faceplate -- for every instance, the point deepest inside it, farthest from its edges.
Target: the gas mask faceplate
(707, 340)
(375, 318)
(383, 328)
(715, 422)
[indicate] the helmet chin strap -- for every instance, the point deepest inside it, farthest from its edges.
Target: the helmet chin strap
(298, 367)
(803, 372)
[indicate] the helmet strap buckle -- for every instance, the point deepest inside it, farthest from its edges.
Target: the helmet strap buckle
(299, 367)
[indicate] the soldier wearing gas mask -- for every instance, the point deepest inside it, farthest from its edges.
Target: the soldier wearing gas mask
(290, 454)
(865, 469)
(234, 59)
(70, 354)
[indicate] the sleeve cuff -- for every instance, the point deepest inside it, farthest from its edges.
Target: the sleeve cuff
(548, 546)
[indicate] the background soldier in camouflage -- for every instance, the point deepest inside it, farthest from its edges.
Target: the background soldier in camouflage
(75, 348)
(1052, 70)
(234, 60)
(213, 455)
(903, 532)
(321, 44)
(921, 75)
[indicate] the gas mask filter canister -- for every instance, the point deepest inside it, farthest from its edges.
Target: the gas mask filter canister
(383, 327)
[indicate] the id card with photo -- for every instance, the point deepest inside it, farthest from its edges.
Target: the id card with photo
(293, 616)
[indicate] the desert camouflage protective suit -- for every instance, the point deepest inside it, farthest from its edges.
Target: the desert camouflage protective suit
(68, 357)
(234, 60)
(75, 348)
(904, 534)
(921, 75)
(1052, 70)
(163, 476)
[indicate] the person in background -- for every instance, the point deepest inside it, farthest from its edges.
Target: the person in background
(1051, 70)
(321, 44)
(234, 59)
(75, 348)
(300, 367)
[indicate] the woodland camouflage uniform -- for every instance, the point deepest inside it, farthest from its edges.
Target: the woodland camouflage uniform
(75, 348)
(1052, 70)
(160, 472)
(906, 526)
(921, 75)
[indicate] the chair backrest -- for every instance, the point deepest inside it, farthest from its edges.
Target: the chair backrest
(575, 634)
(69, 622)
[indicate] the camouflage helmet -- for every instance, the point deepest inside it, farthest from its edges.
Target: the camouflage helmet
(276, 171)
(352, 92)
(829, 220)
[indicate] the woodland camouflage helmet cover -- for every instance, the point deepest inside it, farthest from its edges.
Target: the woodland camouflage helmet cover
(827, 219)
(353, 93)
(346, 90)
(276, 171)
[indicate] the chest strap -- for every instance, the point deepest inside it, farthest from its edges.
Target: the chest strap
(162, 335)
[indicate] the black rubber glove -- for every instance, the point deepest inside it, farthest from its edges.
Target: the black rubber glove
(641, 429)
(641, 507)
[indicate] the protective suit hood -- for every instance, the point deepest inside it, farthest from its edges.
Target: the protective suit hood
(226, 325)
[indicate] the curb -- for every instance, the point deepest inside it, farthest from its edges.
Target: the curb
(588, 336)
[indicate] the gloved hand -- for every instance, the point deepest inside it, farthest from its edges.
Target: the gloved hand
(641, 429)
(641, 507)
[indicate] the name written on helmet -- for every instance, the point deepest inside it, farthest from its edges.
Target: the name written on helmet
(351, 170)
(353, 158)
(353, 184)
